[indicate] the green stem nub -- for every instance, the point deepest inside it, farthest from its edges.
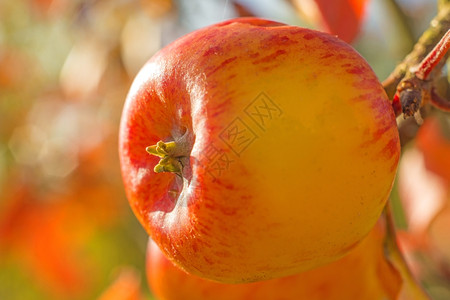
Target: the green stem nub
(168, 162)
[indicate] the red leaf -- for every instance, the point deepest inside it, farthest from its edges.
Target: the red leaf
(126, 286)
(435, 147)
(339, 17)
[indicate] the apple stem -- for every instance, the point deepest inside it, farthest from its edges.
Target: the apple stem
(169, 161)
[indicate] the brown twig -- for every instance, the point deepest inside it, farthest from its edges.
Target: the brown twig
(439, 102)
(409, 91)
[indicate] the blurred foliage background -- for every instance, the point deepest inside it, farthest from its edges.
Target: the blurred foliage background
(66, 231)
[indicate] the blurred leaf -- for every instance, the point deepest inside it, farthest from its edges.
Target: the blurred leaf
(83, 68)
(440, 237)
(13, 65)
(339, 17)
(50, 232)
(140, 39)
(421, 191)
(126, 286)
(242, 10)
(31, 232)
(157, 8)
(435, 146)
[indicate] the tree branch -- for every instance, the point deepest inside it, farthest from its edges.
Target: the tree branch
(438, 27)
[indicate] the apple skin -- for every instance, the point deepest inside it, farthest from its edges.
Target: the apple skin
(308, 177)
(364, 273)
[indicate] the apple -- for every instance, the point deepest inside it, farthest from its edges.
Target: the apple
(364, 273)
(253, 150)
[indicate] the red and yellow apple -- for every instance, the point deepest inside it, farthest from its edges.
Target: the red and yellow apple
(253, 150)
(364, 273)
